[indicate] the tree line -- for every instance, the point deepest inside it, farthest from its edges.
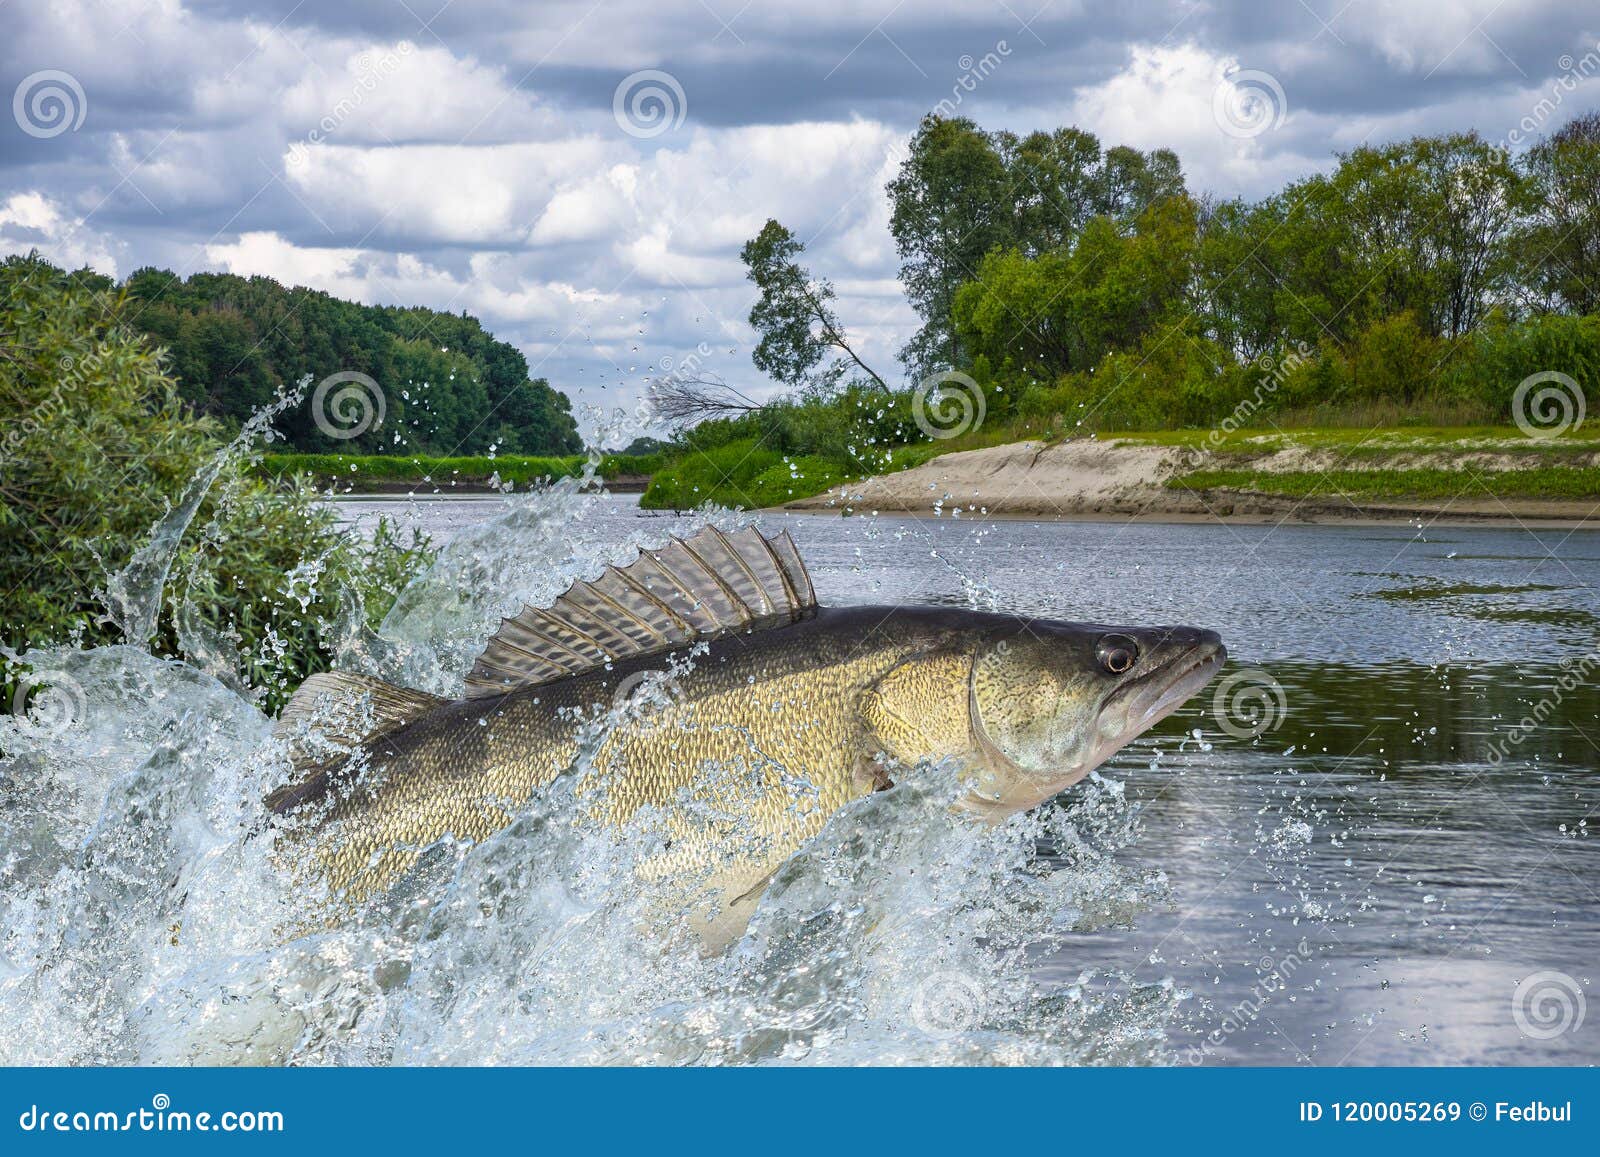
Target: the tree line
(1084, 284)
(448, 385)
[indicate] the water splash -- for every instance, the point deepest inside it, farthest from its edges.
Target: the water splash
(145, 920)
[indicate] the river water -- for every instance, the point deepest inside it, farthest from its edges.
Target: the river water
(1367, 843)
(1369, 880)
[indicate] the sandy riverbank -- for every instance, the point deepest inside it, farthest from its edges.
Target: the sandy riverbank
(1112, 480)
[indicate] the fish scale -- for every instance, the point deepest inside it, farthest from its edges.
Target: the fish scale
(767, 719)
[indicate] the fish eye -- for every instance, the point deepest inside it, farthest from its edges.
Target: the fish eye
(1117, 653)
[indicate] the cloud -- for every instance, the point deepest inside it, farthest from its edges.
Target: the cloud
(30, 221)
(469, 158)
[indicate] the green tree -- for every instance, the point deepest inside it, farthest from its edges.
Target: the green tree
(961, 193)
(1559, 246)
(1420, 226)
(96, 446)
(1063, 311)
(950, 203)
(233, 341)
(794, 315)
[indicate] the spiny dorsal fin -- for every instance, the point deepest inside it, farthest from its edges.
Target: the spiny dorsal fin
(351, 709)
(700, 587)
(348, 710)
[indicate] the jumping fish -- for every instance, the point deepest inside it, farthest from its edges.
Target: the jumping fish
(742, 700)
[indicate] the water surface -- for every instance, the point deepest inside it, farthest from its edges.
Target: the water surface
(1367, 881)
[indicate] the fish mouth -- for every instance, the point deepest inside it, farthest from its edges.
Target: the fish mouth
(1149, 698)
(1159, 692)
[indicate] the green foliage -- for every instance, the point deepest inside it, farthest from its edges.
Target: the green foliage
(962, 193)
(359, 471)
(794, 315)
(710, 472)
(448, 385)
(1035, 318)
(98, 446)
(1549, 482)
(1560, 243)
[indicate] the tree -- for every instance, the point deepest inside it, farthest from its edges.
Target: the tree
(1419, 226)
(96, 445)
(1559, 247)
(961, 193)
(232, 342)
(794, 314)
(950, 204)
(1062, 311)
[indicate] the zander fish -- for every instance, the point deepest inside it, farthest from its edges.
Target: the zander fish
(752, 689)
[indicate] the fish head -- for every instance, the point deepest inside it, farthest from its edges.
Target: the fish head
(1048, 702)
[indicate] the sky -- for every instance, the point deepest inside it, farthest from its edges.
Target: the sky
(581, 175)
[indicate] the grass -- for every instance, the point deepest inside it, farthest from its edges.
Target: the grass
(1585, 440)
(359, 471)
(1556, 482)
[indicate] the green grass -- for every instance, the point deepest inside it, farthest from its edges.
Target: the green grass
(363, 470)
(743, 474)
(1536, 482)
(1585, 440)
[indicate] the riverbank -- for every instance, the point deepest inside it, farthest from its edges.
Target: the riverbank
(1476, 475)
(400, 474)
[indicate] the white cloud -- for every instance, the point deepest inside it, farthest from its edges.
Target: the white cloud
(1165, 97)
(32, 220)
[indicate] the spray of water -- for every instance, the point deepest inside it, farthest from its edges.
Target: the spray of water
(146, 918)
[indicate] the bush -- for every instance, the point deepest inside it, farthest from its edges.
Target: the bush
(1502, 354)
(724, 473)
(97, 447)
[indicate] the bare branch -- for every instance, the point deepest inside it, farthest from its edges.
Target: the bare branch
(690, 400)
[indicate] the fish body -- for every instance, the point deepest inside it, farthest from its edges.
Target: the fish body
(742, 745)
